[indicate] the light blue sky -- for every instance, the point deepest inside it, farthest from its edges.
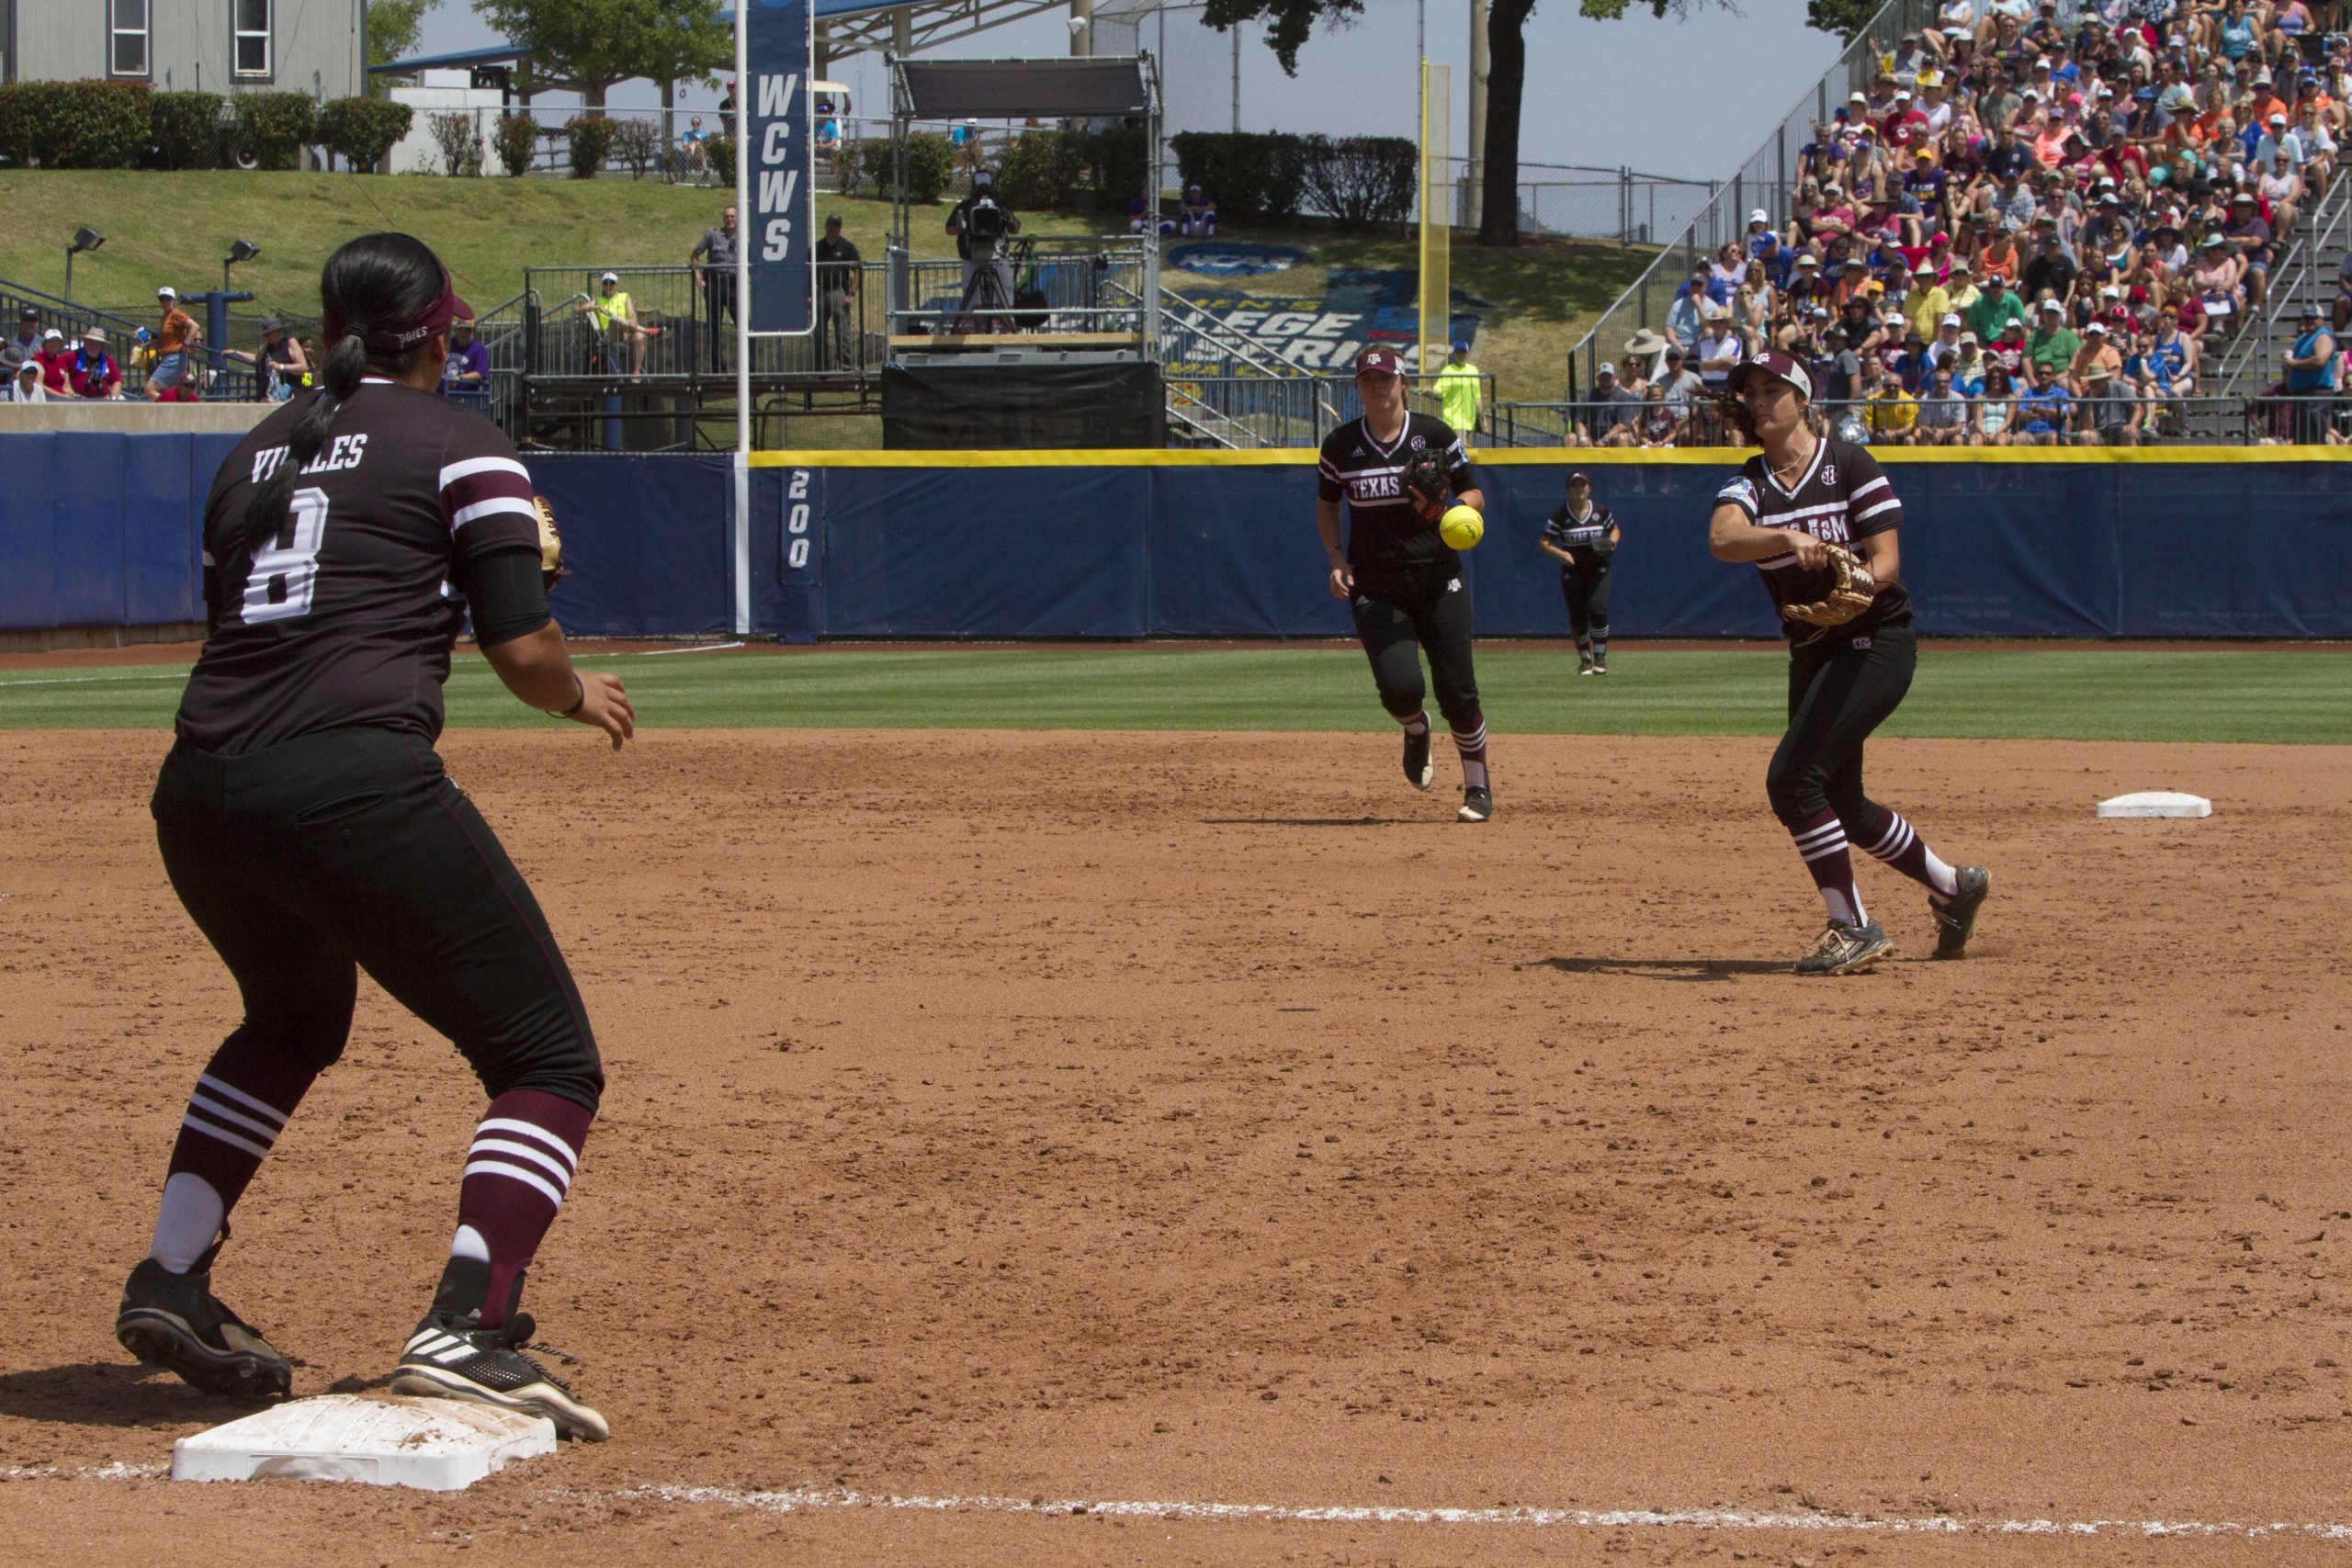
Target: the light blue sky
(1688, 99)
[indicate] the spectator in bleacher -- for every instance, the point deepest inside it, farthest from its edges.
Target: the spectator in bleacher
(1658, 425)
(1943, 413)
(1944, 350)
(839, 274)
(1720, 348)
(1892, 414)
(2099, 353)
(24, 345)
(2251, 234)
(2108, 413)
(2340, 313)
(92, 374)
(1683, 316)
(467, 373)
(2052, 343)
(24, 386)
(173, 373)
(614, 315)
(1612, 423)
(713, 261)
(1841, 377)
(2312, 143)
(1196, 214)
(1996, 409)
(283, 365)
(694, 151)
(2051, 274)
(2281, 190)
(2312, 376)
(2171, 356)
(2044, 408)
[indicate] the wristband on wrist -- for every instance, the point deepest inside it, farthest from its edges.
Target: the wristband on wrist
(578, 702)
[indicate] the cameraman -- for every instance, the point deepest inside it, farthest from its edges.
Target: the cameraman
(981, 223)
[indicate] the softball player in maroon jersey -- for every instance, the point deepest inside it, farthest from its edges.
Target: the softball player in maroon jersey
(307, 824)
(1802, 493)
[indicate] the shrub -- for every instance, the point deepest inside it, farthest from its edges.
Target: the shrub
(1042, 169)
(592, 137)
(1248, 175)
(274, 127)
(637, 144)
(1362, 179)
(517, 140)
(1115, 159)
(720, 151)
(363, 129)
(73, 124)
(930, 164)
(461, 144)
(186, 128)
(848, 168)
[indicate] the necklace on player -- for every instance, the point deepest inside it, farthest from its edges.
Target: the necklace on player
(1785, 471)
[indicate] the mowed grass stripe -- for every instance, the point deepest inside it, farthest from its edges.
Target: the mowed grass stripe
(2067, 693)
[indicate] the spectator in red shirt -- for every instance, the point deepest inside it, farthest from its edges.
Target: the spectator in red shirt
(53, 359)
(92, 372)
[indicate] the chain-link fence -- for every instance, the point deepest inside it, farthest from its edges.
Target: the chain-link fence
(2150, 420)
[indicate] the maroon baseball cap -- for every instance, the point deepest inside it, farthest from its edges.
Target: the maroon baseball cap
(1379, 361)
(1773, 362)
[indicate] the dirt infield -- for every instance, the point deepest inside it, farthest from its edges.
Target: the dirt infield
(1024, 1120)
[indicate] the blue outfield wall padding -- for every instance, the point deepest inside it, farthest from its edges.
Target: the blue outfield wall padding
(1011, 546)
(646, 542)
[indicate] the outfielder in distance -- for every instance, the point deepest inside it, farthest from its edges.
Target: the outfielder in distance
(308, 825)
(1794, 510)
(1392, 470)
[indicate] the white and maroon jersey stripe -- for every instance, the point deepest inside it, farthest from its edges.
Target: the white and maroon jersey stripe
(1841, 496)
(1384, 530)
(345, 616)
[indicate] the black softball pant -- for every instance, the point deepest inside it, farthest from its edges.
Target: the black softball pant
(352, 848)
(1840, 688)
(1428, 611)
(1585, 587)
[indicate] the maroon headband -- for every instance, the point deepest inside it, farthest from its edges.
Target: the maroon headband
(408, 334)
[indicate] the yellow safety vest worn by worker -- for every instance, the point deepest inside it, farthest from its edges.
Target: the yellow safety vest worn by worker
(1457, 393)
(610, 307)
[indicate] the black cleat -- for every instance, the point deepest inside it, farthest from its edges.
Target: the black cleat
(1600, 665)
(447, 1357)
(173, 1321)
(1477, 805)
(1956, 916)
(1419, 771)
(1846, 950)
(1584, 664)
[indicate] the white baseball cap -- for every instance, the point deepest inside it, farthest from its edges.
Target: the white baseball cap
(1949, 322)
(610, 277)
(52, 334)
(1759, 216)
(2100, 327)
(168, 292)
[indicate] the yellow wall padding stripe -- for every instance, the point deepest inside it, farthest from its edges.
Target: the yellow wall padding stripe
(1532, 456)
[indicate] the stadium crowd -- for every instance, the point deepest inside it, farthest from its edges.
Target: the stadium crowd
(2028, 231)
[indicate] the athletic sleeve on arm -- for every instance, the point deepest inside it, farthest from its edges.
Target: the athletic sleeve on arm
(485, 493)
(1458, 471)
(1870, 506)
(505, 593)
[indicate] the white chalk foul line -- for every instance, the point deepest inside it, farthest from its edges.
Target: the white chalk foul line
(787, 1502)
(94, 680)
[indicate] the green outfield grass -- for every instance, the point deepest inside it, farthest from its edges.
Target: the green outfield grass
(2038, 694)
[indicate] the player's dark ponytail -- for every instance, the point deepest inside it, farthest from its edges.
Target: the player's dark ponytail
(372, 285)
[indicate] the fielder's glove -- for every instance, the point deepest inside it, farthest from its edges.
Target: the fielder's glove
(550, 541)
(1426, 490)
(1848, 597)
(1734, 408)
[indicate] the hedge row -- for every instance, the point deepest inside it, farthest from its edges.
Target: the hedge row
(127, 125)
(1359, 179)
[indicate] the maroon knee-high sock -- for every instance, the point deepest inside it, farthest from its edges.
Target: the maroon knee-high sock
(234, 1114)
(1821, 839)
(517, 1172)
(1470, 745)
(1898, 844)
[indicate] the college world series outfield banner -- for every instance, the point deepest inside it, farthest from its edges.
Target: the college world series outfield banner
(780, 228)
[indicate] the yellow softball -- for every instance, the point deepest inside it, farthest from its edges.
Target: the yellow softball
(1462, 527)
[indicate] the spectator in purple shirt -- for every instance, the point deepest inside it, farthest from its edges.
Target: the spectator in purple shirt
(467, 370)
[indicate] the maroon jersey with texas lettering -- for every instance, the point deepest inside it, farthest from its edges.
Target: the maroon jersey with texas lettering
(1842, 496)
(346, 615)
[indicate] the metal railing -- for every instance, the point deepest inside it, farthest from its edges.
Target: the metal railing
(1068, 283)
(1767, 179)
(73, 321)
(662, 144)
(2302, 275)
(2164, 420)
(1246, 411)
(1579, 201)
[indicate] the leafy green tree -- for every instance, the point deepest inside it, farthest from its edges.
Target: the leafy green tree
(1847, 18)
(587, 46)
(1289, 22)
(393, 26)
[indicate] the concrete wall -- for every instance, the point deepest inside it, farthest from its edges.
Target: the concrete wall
(131, 418)
(317, 47)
